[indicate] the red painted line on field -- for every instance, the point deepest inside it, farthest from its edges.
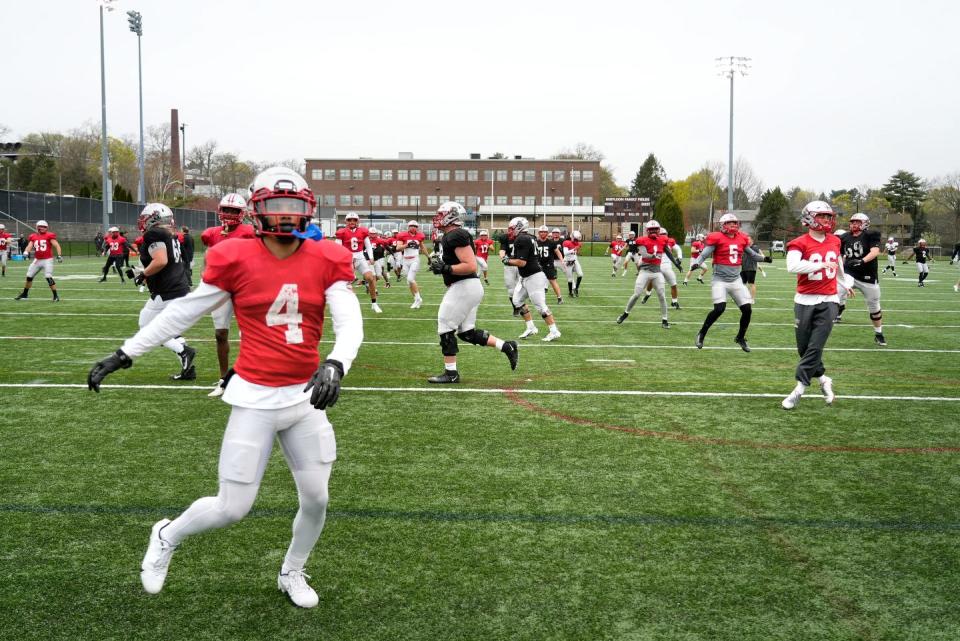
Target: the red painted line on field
(514, 396)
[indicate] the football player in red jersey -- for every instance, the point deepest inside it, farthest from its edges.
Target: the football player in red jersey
(571, 262)
(727, 248)
(231, 212)
(380, 246)
(357, 240)
(483, 245)
(816, 259)
(410, 242)
(669, 276)
(616, 253)
(280, 286)
(42, 243)
(4, 248)
(115, 247)
(652, 248)
(696, 247)
(457, 316)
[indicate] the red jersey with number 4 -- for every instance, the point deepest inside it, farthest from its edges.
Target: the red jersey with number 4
(728, 251)
(483, 246)
(42, 247)
(115, 244)
(616, 247)
(654, 246)
(278, 304)
(213, 235)
(352, 239)
(823, 282)
(4, 236)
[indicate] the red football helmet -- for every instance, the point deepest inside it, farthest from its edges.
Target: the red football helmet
(818, 210)
(281, 192)
(231, 210)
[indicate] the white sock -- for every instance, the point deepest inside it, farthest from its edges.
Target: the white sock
(800, 389)
(554, 329)
(450, 367)
(499, 344)
(674, 300)
(878, 330)
(530, 324)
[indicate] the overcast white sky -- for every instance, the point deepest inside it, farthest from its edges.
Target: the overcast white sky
(841, 93)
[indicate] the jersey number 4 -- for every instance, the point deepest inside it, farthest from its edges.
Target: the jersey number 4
(287, 298)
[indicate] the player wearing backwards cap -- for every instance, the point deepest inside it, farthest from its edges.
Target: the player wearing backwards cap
(42, 243)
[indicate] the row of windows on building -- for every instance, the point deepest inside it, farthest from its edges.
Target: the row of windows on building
(459, 175)
(357, 200)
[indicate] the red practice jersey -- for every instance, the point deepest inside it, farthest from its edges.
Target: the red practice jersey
(654, 246)
(483, 246)
(278, 303)
(213, 235)
(114, 244)
(695, 248)
(410, 243)
(42, 247)
(352, 239)
(616, 247)
(728, 251)
(4, 236)
(823, 282)
(572, 246)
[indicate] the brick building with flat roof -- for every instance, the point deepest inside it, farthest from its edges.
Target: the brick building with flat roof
(408, 187)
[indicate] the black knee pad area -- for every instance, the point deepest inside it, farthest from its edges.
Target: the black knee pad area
(448, 344)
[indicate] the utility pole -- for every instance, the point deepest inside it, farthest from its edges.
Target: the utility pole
(107, 195)
(729, 66)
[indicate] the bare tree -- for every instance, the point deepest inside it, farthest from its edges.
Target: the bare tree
(157, 162)
(746, 181)
(200, 158)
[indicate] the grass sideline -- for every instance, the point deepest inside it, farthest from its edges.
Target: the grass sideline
(576, 512)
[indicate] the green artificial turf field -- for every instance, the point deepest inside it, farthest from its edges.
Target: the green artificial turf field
(621, 484)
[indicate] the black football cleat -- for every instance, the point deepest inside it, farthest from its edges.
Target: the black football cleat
(699, 341)
(186, 358)
(513, 354)
(700, 280)
(189, 374)
(103, 279)
(665, 324)
(56, 297)
(675, 305)
(446, 377)
(742, 342)
(646, 297)
(20, 296)
(879, 339)
(622, 317)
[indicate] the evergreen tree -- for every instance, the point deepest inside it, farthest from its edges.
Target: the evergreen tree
(904, 191)
(773, 206)
(649, 180)
(668, 213)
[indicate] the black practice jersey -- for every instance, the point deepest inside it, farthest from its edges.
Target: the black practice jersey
(379, 251)
(448, 245)
(525, 248)
(171, 281)
(921, 254)
(547, 251)
(632, 246)
(857, 247)
(506, 246)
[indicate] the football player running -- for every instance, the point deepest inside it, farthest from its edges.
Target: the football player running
(891, 247)
(230, 212)
(457, 317)
(483, 245)
(652, 248)
(921, 255)
(727, 248)
(357, 240)
(511, 275)
(410, 242)
(4, 248)
(815, 259)
(632, 256)
(571, 262)
(42, 243)
(669, 276)
(280, 286)
(548, 253)
(860, 249)
(695, 248)
(533, 282)
(115, 247)
(380, 247)
(616, 250)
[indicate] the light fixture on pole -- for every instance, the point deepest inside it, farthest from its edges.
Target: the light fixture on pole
(105, 196)
(136, 26)
(729, 66)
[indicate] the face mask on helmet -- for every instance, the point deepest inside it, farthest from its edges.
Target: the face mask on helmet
(282, 203)
(155, 215)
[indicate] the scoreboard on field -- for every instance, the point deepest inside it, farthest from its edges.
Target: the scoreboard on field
(627, 207)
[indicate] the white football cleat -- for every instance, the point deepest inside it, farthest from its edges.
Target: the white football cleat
(156, 560)
(417, 302)
(294, 584)
(791, 401)
(552, 336)
(376, 308)
(826, 386)
(217, 390)
(530, 331)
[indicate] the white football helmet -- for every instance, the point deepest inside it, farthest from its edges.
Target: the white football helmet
(701, 237)
(279, 191)
(861, 218)
(576, 235)
(618, 237)
(483, 232)
(631, 234)
(231, 209)
(42, 223)
(413, 223)
(808, 217)
(890, 240)
(652, 228)
(921, 242)
(113, 229)
(2, 227)
(517, 226)
(449, 213)
(155, 215)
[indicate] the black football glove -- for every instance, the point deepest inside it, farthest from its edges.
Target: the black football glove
(768, 259)
(437, 266)
(326, 384)
(59, 259)
(505, 260)
(853, 263)
(117, 360)
(130, 273)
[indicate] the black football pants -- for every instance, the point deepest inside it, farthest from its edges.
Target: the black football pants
(813, 326)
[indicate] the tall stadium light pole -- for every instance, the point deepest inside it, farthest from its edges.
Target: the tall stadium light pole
(105, 160)
(729, 67)
(136, 26)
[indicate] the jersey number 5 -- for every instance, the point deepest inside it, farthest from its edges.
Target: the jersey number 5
(287, 298)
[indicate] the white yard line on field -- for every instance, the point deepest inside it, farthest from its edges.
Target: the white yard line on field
(498, 390)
